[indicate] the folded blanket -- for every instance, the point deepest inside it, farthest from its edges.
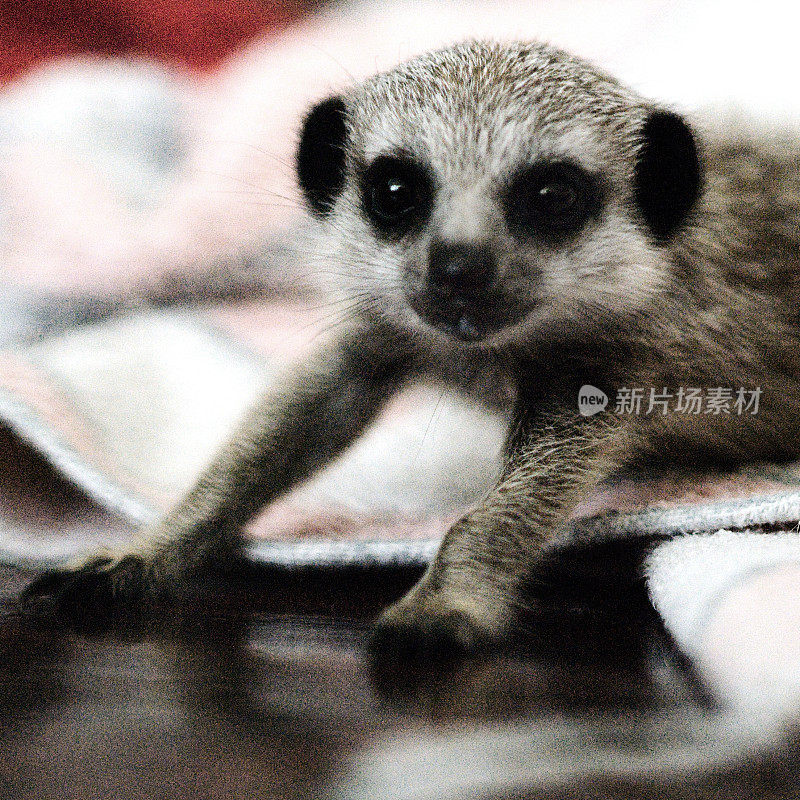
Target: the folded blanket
(129, 409)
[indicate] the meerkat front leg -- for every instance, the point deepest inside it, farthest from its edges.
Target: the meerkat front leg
(310, 416)
(471, 592)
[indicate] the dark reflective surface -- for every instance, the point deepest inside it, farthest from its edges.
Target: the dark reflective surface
(268, 693)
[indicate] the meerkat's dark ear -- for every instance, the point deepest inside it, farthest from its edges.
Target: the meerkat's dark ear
(668, 176)
(321, 154)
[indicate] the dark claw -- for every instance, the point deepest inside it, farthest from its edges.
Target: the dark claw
(51, 583)
(101, 590)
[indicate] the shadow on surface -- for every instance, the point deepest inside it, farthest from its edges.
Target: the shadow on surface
(266, 693)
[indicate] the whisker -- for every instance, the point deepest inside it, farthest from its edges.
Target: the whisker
(335, 61)
(339, 302)
(428, 426)
(345, 316)
(337, 308)
(292, 206)
(259, 150)
(255, 187)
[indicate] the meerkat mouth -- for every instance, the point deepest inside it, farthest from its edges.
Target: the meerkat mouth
(463, 317)
(463, 327)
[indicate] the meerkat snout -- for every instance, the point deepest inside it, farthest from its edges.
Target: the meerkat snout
(456, 268)
(462, 292)
(458, 280)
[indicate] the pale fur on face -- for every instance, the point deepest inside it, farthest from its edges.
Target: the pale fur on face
(474, 114)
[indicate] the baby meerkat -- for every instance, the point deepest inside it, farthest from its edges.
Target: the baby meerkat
(509, 209)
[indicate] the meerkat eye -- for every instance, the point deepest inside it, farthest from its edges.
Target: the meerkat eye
(396, 194)
(550, 200)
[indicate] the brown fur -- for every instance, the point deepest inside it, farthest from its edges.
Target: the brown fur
(714, 305)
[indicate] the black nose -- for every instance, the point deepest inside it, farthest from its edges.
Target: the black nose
(461, 267)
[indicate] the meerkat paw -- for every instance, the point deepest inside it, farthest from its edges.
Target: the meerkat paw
(109, 584)
(429, 630)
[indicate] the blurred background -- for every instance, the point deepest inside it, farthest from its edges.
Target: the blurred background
(146, 147)
(190, 34)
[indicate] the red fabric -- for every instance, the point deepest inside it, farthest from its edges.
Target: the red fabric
(194, 34)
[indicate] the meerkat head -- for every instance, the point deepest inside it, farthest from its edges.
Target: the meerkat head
(487, 192)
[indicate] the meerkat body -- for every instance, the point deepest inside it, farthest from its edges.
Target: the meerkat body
(510, 209)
